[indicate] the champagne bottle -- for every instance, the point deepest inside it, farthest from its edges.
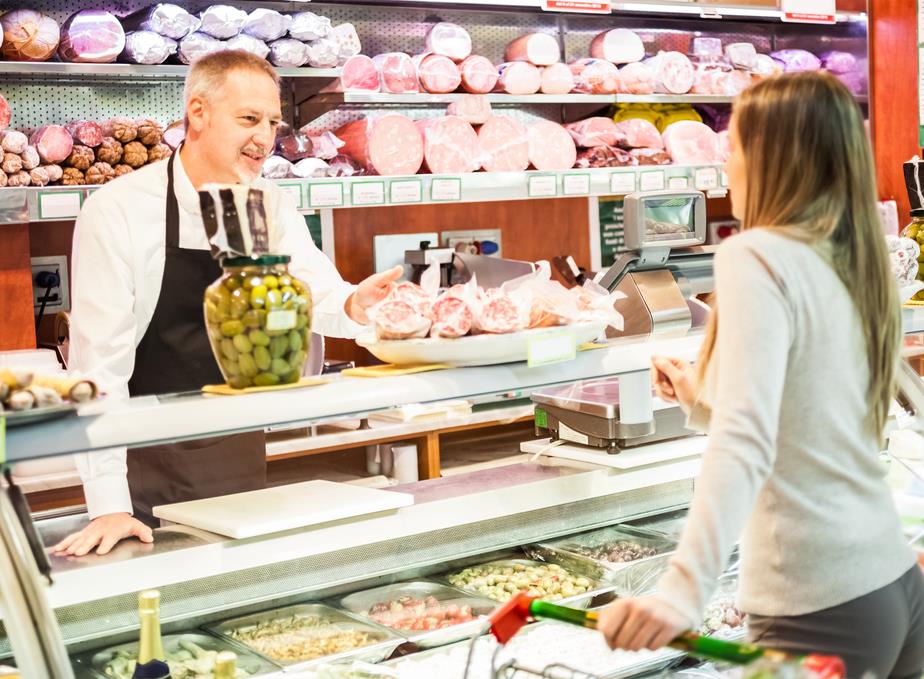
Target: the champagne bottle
(152, 661)
(225, 665)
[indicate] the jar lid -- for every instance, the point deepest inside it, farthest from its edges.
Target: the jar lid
(255, 260)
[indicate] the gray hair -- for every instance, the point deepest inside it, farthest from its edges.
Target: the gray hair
(207, 75)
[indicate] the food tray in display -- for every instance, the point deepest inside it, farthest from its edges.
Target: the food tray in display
(670, 525)
(20, 418)
(360, 603)
(472, 350)
(382, 641)
(94, 664)
(724, 597)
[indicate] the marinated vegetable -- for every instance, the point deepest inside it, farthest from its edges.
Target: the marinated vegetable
(500, 581)
(722, 616)
(423, 615)
(187, 661)
(621, 551)
(303, 637)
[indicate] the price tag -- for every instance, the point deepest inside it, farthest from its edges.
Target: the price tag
(577, 6)
(723, 178)
(575, 184)
(543, 186)
(652, 181)
(678, 183)
(406, 191)
(622, 183)
(325, 194)
(446, 189)
(59, 204)
(368, 193)
(552, 347)
(716, 193)
(294, 190)
(706, 178)
(809, 11)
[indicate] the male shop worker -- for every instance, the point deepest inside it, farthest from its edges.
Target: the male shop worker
(140, 268)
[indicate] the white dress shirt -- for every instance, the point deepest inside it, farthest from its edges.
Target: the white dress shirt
(117, 269)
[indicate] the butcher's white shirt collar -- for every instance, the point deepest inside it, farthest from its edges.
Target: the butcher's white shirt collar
(186, 195)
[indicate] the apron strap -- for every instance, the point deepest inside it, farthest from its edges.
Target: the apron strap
(173, 208)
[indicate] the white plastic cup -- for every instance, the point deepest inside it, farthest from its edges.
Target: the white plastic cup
(404, 463)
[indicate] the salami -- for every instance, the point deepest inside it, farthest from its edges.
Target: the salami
(674, 72)
(478, 74)
(397, 73)
(596, 131)
(539, 49)
(618, 46)
(550, 146)
(450, 145)
(640, 133)
(360, 75)
(605, 156)
(518, 77)
(53, 142)
(452, 317)
(6, 113)
(557, 79)
(449, 40)
(438, 73)
(498, 314)
(412, 294)
(396, 319)
(636, 78)
(474, 108)
(595, 76)
(504, 145)
(692, 143)
(389, 145)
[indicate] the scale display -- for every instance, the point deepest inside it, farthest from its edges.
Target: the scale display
(665, 219)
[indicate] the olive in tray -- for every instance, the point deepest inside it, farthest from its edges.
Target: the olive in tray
(500, 580)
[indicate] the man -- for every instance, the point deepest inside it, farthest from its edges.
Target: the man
(140, 268)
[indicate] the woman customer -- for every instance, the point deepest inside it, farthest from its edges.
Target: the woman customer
(793, 384)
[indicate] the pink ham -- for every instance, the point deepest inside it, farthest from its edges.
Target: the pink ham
(478, 75)
(674, 72)
(636, 78)
(397, 319)
(53, 142)
(86, 132)
(595, 76)
(91, 36)
(450, 145)
(518, 77)
(504, 145)
(539, 49)
(388, 145)
(475, 108)
(450, 40)
(724, 146)
(640, 133)
(557, 79)
(692, 143)
(550, 146)
(452, 317)
(596, 131)
(397, 73)
(438, 73)
(360, 75)
(6, 113)
(618, 46)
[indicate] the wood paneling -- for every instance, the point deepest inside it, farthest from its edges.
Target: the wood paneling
(17, 320)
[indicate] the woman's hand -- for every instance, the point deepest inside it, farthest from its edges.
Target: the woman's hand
(643, 622)
(674, 381)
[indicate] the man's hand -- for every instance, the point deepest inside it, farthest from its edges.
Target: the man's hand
(643, 622)
(104, 532)
(371, 291)
(675, 381)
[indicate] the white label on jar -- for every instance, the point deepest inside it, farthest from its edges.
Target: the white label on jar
(566, 433)
(281, 319)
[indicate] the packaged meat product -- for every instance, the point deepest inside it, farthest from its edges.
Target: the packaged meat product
(438, 73)
(91, 36)
(839, 62)
(724, 145)
(396, 319)
(147, 47)
(13, 141)
(55, 172)
(741, 55)
(478, 74)
(28, 35)
(673, 72)
(413, 294)
(100, 173)
(310, 26)
(618, 46)
(288, 53)
(18, 179)
(360, 74)
(267, 24)
(766, 66)
(604, 156)
(640, 133)
(248, 43)
(708, 81)
(175, 134)
(647, 156)
(30, 158)
(323, 53)
(736, 82)
(324, 146)
(397, 73)
(82, 157)
(709, 49)
(636, 78)
(550, 146)
(450, 40)
(53, 143)
(166, 19)
(310, 167)
(135, 154)
(539, 49)
(692, 143)
(12, 163)
(499, 314)
(387, 145)
(475, 108)
(557, 79)
(343, 166)
(277, 167)
(348, 41)
(504, 145)
(110, 151)
(6, 113)
(295, 147)
(39, 176)
(197, 45)
(855, 81)
(222, 21)
(595, 76)
(596, 131)
(518, 77)
(797, 60)
(121, 129)
(450, 145)
(452, 317)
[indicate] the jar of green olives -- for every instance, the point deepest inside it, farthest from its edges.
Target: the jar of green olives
(915, 231)
(258, 318)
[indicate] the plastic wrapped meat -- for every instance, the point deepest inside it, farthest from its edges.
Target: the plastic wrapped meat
(636, 78)
(839, 62)
(474, 108)
(360, 74)
(348, 40)
(708, 49)
(741, 55)
(310, 167)
(797, 60)
(248, 43)
(855, 81)
(148, 47)
(310, 26)
(500, 314)
(551, 147)
(397, 73)
(396, 319)
(267, 24)
(674, 72)
(640, 133)
(595, 76)
(605, 156)
(438, 73)
(692, 143)
(557, 79)
(450, 40)
(295, 147)
(324, 146)
(618, 46)
(596, 131)
(323, 53)
(518, 77)
(28, 35)
(452, 317)
(450, 145)
(724, 146)
(766, 66)
(343, 166)
(91, 36)
(388, 144)
(504, 145)
(222, 21)
(651, 156)
(198, 45)
(539, 49)
(288, 53)
(6, 115)
(166, 19)
(478, 74)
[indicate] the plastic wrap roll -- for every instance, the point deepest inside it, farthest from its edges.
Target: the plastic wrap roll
(148, 47)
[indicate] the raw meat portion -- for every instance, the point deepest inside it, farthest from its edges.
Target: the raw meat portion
(839, 62)
(478, 74)
(674, 72)
(450, 145)
(295, 147)
(474, 108)
(450, 40)
(388, 145)
(347, 40)
(147, 47)
(504, 145)
(636, 78)
(518, 77)
(323, 53)
(452, 317)
(595, 76)
(618, 46)
(288, 52)
(277, 167)
(550, 146)
(692, 143)
(397, 73)
(6, 114)
(248, 43)
(360, 75)
(267, 24)
(310, 26)
(53, 142)
(91, 36)
(539, 49)
(557, 79)
(651, 156)
(605, 156)
(498, 314)
(438, 73)
(640, 133)
(29, 35)
(222, 21)
(343, 166)
(396, 319)
(412, 294)
(166, 19)
(596, 131)
(741, 55)
(86, 132)
(797, 60)
(197, 45)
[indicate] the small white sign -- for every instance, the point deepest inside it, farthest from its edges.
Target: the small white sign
(724, 178)
(575, 184)
(59, 204)
(294, 190)
(368, 193)
(543, 186)
(809, 11)
(446, 189)
(622, 183)
(325, 194)
(706, 178)
(406, 191)
(652, 181)
(678, 183)
(566, 433)
(549, 348)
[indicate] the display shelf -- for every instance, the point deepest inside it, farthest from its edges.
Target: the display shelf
(424, 98)
(59, 71)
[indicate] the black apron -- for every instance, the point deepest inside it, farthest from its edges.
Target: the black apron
(175, 355)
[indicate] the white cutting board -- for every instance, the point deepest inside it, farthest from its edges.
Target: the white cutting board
(651, 453)
(297, 505)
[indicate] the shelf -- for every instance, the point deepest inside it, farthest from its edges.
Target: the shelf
(59, 71)
(912, 320)
(425, 98)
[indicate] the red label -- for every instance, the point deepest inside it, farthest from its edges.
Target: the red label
(584, 6)
(810, 18)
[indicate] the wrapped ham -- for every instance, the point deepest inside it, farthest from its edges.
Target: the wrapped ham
(724, 145)
(504, 145)
(596, 131)
(166, 19)
(248, 43)
(222, 21)
(53, 143)
(308, 168)
(449, 40)
(397, 73)
(692, 143)
(450, 145)
(478, 74)
(438, 73)
(557, 79)
(640, 133)
(539, 49)
(310, 26)
(295, 147)
(147, 47)
(91, 36)
(324, 146)
(707, 49)
(474, 108)
(673, 72)
(387, 145)
(605, 156)
(636, 78)
(839, 62)
(518, 77)
(741, 55)
(267, 24)
(360, 74)
(855, 81)
(13, 141)
(175, 134)
(347, 40)
(413, 294)
(647, 156)
(396, 319)
(452, 316)
(797, 60)
(86, 132)
(28, 35)
(499, 314)
(595, 76)
(550, 146)
(344, 166)
(197, 45)
(618, 46)
(288, 53)
(766, 66)
(6, 115)
(323, 53)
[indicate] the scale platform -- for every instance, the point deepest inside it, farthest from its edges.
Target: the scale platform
(642, 456)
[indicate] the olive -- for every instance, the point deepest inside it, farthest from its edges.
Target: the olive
(211, 312)
(232, 283)
(260, 338)
(912, 231)
(297, 359)
(276, 333)
(266, 380)
(261, 356)
(273, 299)
(242, 344)
(224, 308)
(231, 367)
(287, 292)
(239, 307)
(280, 366)
(258, 296)
(295, 340)
(240, 382)
(254, 318)
(285, 280)
(271, 281)
(248, 365)
(218, 293)
(228, 349)
(301, 321)
(231, 328)
(291, 377)
(252, 282)
(279, 346)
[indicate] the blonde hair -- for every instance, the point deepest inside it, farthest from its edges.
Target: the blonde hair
(810, 175)
(207, 75)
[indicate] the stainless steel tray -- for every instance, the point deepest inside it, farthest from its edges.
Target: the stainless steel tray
(360, 604)
(382, 640)
(670, 524)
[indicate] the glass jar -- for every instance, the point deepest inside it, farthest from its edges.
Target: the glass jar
(915, 231)
(258, 318)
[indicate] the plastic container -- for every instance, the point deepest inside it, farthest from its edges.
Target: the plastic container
(258, 318)
(722, 617)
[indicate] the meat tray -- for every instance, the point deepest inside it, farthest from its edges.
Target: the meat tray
(360, 602)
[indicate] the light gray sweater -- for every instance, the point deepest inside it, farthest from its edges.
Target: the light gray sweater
(789, 465)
